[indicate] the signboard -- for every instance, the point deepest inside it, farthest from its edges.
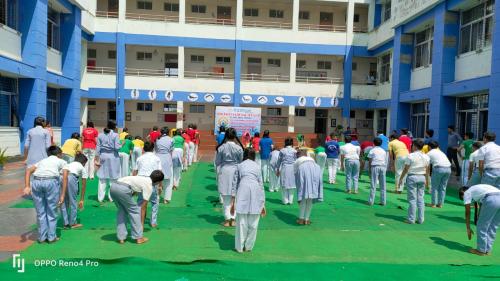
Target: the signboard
(243, 119)
(403, 10)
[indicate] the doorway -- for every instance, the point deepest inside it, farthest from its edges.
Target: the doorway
(320, 121)
(223, 14)
(254, 68)
(112, 111)
(325, 20)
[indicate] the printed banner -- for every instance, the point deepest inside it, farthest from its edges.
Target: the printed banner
(243, 119)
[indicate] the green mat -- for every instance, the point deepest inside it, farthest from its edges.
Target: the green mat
(348, 240)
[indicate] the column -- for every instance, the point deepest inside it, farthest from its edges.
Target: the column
(401, 74)
(350, 21)
(375, 121)
(180, 114)
(33, 91)
(291, 118)
(239, 13)
(182, 11)
(180, 61)
(84, 112)
(346, 109)
(295, 13)
(293, 67)
(120, 79)
(442, 109)
(494, 93)
(122, 10)
(371, 15)
(237, 73)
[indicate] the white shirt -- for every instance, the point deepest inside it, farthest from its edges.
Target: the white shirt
(438, 158)
(378, 156)
(350, 151)
(477, 192)
(418, 162)
(77, 169)
(147, 163)
(139, 184)
(49, 167)
(490, 153)
(473, 158)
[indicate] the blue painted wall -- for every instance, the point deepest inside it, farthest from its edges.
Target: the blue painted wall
(494, 98)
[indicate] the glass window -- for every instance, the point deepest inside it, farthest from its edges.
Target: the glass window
(300, 64)
(324, 65)
(251, 12)
(369, 114)
(476, 26)
(472, 115)
(144, 5)
(274, 111)
(53, 98)
(223, 60)
(382, 120)
(144, 56)
(276, 13)
(423, 48)
(274, 62)
(198, 9)
(9, 13)
(9, 98)
(196, 108)
(91, 53)
(169, 107)
(354, 66)
(254, 60)
(356, 17)
(419, 118)
(170, 7)
(53, 29)
(387, 11)
(303, 15)
(300, 112)
(111, 54)
(385, 68)
(197, 59)
(352, 114)
(144, 106)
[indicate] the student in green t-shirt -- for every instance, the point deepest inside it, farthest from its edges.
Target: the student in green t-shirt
(466, 146)
(124, 152)
(320, 154)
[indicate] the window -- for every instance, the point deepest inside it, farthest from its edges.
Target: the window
(111, 54)
(300, 64)
(144, 106)
(198, 9)
(354, 66)
(303, 15)
(369, 114)
(274, 62)
(222, 60)
(170, 7)
(472, 115)
(91, 103)
(144, 56)
(91, 53)
(476, 26)
(324, 65)
(169, 107)
(419, 118)
(8, 102)
(422, 53)
(385, 68)
(387, 11)
(274, 111)
(144, 5)
(352, 114)
(251, 12)
(8, 13)
(53, 29)
(300, 112)
(196, 108)
(382, 120)
(53, 98)
(279, 14)
(356, 17)
(254, 60)
(197, 59)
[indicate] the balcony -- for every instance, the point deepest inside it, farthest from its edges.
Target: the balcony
(54, 60)
(269, 77)
(216, 21)
(99, 77)
(101, 70)
(152, 17)
(10, 45)
(167, 72)
(323, 80)
(267, 24)
(322, 27)
(209, 75)
(107, 14)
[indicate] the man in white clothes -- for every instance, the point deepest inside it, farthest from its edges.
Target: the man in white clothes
(489, 160)
(349, 155)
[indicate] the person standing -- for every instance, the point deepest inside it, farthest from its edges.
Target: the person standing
(454, 140)
(154, 134)
(177, 158)
(188, 153)
(137, 152)
(285, 171)
(349, 158)
(266, 146)
(36, 143)
(332, 157)
(309, 182)
(164, 148)
(76, 170)
(441, 171)
(195, 139)
(473, 177)
(229, 155)
(489, 160)
(89, 136)
(365, 146)
(71, 147)
(48, 127)
(385, 144)
(107, 159)
(320, 157)
(221, 135)
(125, 151)
(398, 154)
(191, 145)
(124, 134)
(274, 180)
(466, 146)
(377, 165)
(256, 146)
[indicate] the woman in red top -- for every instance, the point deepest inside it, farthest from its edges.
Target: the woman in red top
(246, 139)
(89, 137)
(255, 145)
(188, 144)
(192, 145)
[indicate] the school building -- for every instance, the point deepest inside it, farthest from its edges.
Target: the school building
(310, 65)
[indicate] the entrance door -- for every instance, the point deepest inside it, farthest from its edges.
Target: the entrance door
(254, 68)
(112, 111)
(325, 21)
(320, 121)
(224, 14)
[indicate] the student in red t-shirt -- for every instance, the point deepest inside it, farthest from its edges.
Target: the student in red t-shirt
(192, 144)
(188, 148)
(154, 134)
(405, 138)
(255, 144)
(89, 137)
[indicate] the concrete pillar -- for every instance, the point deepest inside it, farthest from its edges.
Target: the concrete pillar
(180, 114)
(122, 9)
(295, 13)
(239, 13)
(350, 21)
(182, 11)
(84, 112)
(346, 109)
(293, 67)
(180, 61)
(237, 73)
(291, 119)
(494, 93)
(120, 79)
(371, 15)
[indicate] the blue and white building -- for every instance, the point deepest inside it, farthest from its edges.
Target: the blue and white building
(309, 64)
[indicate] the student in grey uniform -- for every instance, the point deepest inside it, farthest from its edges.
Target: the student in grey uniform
(377, 164)
(107, 159)
(122, 192)
(76, 170)
(248, 202)
(473, 177)
(349, 162)
(163, 149)
(274, 182)
(417, 170)
(286, 159)
(441, 172)
(489, 217)
(309, 182)
(229, 155)
(47, 192)
(36, 143)
(489, 160)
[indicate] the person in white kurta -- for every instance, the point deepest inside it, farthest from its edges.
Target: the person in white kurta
(309, 181)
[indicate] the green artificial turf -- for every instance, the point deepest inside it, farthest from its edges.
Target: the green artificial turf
(348, 240)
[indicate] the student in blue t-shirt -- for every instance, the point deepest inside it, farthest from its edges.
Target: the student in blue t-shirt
(266, 146)
(385, 144)
(221, 135)
(332, 150)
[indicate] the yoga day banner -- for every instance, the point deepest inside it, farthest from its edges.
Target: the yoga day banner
(243, 119)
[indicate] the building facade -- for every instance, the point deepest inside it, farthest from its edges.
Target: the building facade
(310, 65)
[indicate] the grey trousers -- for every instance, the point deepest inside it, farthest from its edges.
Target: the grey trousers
(491, 177)
(378, 173)
(415, 184)
(487, 224)
(69, 208)
(127, 210)
(351, 174)
(439, 181)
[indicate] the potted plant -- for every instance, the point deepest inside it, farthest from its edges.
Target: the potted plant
(3, 158)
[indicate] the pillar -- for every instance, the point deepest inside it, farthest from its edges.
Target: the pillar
(239, 13)
(180, 114)
(182, 11)
(346, 109)
(291, 118)
(295, 15)
(293, 67)
(371, 15)
(237, 73)
(180, 61)
(120, 79)
(122, 10)
(494, 93)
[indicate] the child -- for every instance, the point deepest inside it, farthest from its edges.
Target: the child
(71, 147)
(309, 182)
(417, 168)
(441, 171)
(489, 217)
(350, 163)
(320, 153)
(76, 170)
(255, 145)
(466, 146)
(163, 148)
(177, 156)
(248, 203)
(473, 173)
(47, 192)
(286, 159)
(332, 157)
(365, 146)
(398, 153)
(274, 182)
(137, 152)
(122, 192)
(126, 149)
(377, 166)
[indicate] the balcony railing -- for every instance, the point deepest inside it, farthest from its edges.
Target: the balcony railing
(209, 75)
(150, 72)
(152, 17)
(106, 14)
(265, 77)
(198, 20)
(101, 69)
(360, 29)
(365, 81)
(324, 80)
(322, 27)
(267, 24)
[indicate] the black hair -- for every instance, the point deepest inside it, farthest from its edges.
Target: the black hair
(433, 144)
(394, 137)
(149, 146)
(490, 136)
(470, 135)
(451, 127)
(289, 141)
(125, 130)
(256, 135)
(81, 158)
(110, 127)
(155, 128)
(230, 134)
(404, 131)
(380, 132)
(461, 192)
(266, 134)
(178, 132)
(222, 129)
(377, 141)
(75, 135)
(332, 135)
(347, 139)
(249, 153)
(53, 150)
(164, 131)
(138, 138)
(129, 137)
(418, 144)
(195, 126)
(477, 145)
(39, 121)
(90, 124)
(430, 132)
(157, 176)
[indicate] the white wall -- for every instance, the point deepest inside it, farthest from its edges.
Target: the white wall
(472, 65)
(284, 69)
(177, 84)
(102, 59)
(364, 92)
(209, 62)
(291, 89)
(211, 11)
(363, 69)
(157, 8)
(54, 60)
(10, 140)
(158, 61)
(10, 45)
(264, 8)
(96, 80)
(384, 91)
(380, 35)
(99, 113)
(337, 70)
(421, 78)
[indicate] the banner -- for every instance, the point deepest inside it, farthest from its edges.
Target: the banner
(243, 119)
